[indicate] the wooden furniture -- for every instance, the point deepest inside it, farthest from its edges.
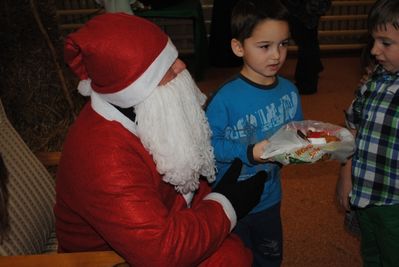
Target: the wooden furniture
(343, 28)
(186, 10)
(84, 259)
(71, 15)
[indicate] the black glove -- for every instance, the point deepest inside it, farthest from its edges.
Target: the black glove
(243, 195)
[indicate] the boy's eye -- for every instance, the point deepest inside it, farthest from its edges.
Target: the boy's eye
(385, 43)
(284, 43)
(266, 46)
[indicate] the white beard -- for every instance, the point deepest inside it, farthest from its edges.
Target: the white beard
(173, 127)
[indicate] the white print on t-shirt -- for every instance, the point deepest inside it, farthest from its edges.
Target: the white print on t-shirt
(267, 118)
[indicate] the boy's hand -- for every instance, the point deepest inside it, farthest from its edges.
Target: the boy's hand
(258, 150)
(344, 185)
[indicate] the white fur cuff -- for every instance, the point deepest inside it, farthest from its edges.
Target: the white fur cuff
(227, 207)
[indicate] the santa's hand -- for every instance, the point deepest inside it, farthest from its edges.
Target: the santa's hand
(243, 195)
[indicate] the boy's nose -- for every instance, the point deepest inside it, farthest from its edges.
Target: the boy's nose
(276, 54)
(375, 50)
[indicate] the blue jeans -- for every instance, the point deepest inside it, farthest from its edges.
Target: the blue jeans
(262, 233)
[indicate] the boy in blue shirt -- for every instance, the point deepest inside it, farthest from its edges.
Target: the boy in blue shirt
(369, 181)
(249, 109)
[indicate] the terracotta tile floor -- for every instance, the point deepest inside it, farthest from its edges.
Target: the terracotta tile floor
(314, 234)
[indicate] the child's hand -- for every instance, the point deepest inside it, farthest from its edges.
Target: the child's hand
(344, 185)
(258, 150)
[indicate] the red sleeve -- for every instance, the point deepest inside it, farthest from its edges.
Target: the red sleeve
(142, 218)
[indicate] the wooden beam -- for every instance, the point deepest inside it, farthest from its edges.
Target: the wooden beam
(342, 32)
(343, 17)
(333, 47)
(83, 11)
(353, 3)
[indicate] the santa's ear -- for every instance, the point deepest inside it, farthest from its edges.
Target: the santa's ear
(237, 47)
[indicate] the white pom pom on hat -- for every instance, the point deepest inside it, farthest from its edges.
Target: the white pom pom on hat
(119, 56)
(84, 87)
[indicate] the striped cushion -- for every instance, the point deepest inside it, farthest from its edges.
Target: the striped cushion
(31, 195)
(52, 244)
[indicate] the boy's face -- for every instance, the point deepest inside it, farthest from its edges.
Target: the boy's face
(264, 52)
(386, 47)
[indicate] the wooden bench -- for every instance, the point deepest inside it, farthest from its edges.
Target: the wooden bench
(86, 259)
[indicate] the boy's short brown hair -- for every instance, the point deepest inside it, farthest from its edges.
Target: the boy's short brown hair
(247, 14)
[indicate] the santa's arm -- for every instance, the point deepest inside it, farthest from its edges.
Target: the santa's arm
(129, 211)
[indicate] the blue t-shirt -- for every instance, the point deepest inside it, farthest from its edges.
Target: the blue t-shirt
(242, 113)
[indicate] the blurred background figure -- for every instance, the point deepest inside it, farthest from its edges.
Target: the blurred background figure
(304, 22)
(130, 6)
(220, 53)
(155, 4)
(117, 5)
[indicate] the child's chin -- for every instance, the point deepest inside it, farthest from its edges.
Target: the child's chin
(392, 69)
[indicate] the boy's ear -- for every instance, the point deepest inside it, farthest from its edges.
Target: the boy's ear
(237, 48)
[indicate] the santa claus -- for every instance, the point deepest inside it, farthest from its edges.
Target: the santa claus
(131, 173)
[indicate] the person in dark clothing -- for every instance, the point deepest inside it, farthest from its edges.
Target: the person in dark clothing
(304, 22)
(155, 4)
(220, 53)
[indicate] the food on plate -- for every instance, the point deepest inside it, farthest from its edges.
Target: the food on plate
(308, 142)
(320, 137)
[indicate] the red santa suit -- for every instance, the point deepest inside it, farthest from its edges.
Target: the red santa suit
(109, 195)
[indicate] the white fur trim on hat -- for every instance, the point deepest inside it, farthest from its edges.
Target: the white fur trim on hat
(142, 87)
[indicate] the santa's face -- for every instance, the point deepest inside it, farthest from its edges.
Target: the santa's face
(177, 67)
(172, 126)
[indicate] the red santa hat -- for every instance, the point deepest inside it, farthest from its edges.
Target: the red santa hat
(121, 57)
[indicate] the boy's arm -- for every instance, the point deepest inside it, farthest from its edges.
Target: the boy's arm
(344, 183)
(225, 150)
